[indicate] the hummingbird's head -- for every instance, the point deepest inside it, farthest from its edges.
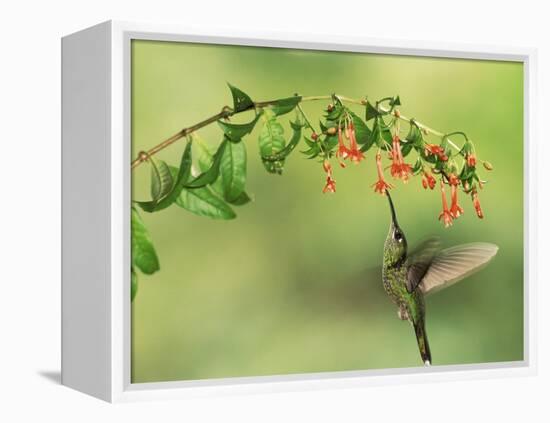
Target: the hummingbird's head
(395, 247)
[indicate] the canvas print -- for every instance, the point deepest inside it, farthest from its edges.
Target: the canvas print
(301, 211)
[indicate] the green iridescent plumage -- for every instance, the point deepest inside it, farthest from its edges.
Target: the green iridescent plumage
(407, 278)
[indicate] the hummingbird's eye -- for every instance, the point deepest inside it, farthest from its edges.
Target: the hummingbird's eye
(398, 236)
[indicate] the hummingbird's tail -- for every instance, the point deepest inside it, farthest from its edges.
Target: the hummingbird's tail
(422, 339)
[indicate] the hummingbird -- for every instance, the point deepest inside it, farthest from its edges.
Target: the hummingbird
(409, 276)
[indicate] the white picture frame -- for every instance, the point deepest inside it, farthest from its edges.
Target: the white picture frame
(96, 227)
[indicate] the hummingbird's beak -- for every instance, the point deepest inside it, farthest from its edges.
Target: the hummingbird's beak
(392, 209)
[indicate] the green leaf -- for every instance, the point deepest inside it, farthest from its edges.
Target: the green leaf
(241, 200)
(235, 131)
(406, 148)
(371, 112)
(467, 148)
(467, 173)
(415, 135)
(203, 202)
(396, 101)
(210, 175)
(430, 158)
(203, 154)
(446, 146)
(296, 137)
(241, 101)
(233, 170)
(314, 149)
(271, 142)
(204, 160)
(144, 256)
(309, 143)
(330, 142)
(413, 139)
(133, 284)
(179, 176)
(385, 131)
(335, 113)
(418, 166)
(161, 179)
(376, 134)
(285, 105)
(362, 131)
(380, 135)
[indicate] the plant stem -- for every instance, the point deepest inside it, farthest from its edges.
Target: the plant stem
(308, 123)
(179, 135)
(227, 112)
(427, 128)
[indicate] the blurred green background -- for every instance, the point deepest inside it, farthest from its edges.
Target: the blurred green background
(282, 288)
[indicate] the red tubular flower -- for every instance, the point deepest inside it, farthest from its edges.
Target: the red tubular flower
(399, 169)
(381, 185)
(343, 152)
(428, 180)
(395, 169)
(477, 205)
(471, 160)
(445, 214)
(327, 167)
(436, 150)
(330, 185)
(355, 153)
(455, 210)
(406, 171)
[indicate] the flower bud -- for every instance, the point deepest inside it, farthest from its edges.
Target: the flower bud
(477, 205)
(314, 136)
(331, 131)
(487, 165)
(471, 159)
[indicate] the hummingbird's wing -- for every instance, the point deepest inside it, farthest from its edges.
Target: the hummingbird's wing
(419, 261)
(455, 263)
